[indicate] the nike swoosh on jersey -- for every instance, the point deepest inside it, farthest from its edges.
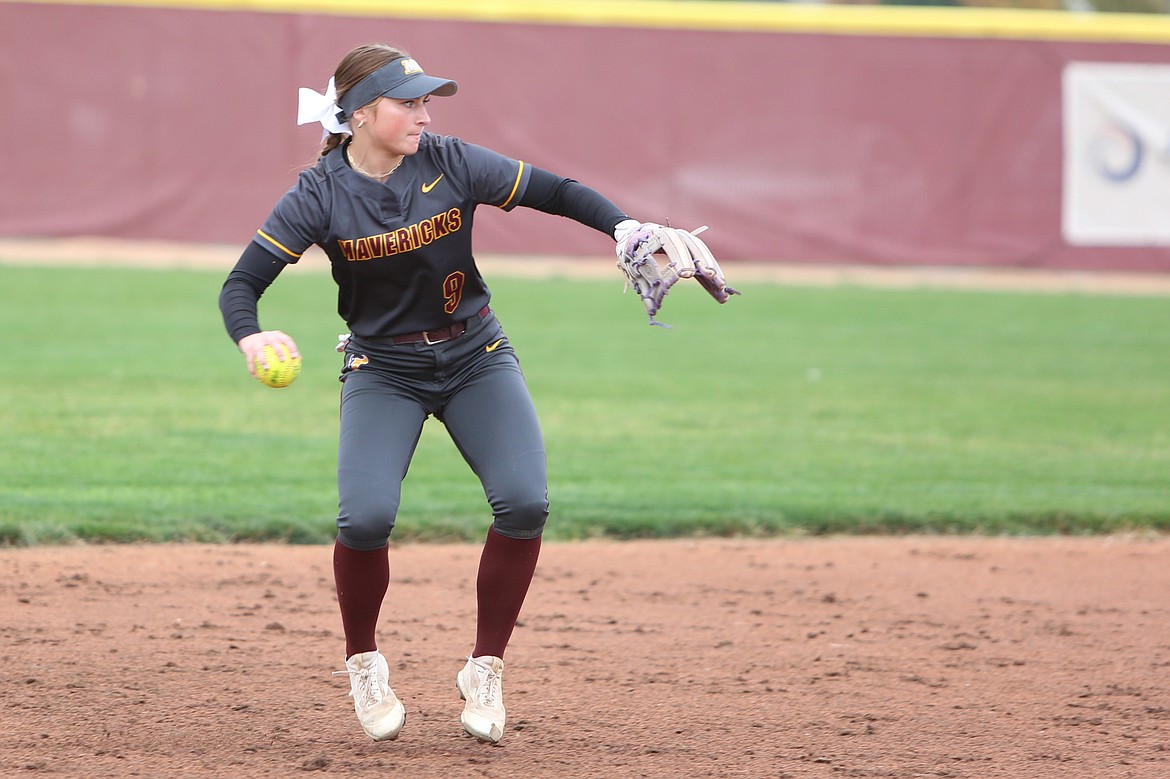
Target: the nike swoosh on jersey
(428, 187)
(492, 347)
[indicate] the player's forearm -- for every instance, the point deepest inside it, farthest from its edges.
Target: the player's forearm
(565, 197)
(241, 292)
(237, 304)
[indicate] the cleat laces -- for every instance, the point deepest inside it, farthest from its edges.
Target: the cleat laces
(487, 690)
(364, 687)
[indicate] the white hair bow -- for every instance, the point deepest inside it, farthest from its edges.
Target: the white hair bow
(312, 106)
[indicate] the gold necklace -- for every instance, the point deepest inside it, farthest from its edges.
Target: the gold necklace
(364, 172)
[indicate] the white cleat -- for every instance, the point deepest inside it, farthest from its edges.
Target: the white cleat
(481, 685)
(378, 709)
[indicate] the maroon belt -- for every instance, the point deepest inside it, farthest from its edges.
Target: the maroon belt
(442, 334)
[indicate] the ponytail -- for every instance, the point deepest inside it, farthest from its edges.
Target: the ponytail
(331, 142)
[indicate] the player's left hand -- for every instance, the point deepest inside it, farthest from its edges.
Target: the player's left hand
(686, 257)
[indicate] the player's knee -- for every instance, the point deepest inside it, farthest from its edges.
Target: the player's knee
(523, 519)
(366, 527)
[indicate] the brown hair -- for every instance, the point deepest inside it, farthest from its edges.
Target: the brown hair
(355, 66)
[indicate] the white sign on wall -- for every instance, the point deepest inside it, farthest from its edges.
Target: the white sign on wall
(1116, 154)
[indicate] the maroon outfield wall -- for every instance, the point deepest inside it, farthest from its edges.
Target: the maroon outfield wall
(180, 125)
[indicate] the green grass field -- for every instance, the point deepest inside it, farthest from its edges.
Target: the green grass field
(127, 414)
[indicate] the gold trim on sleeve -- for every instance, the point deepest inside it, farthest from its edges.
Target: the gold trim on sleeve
(516, 186)
(277, 244)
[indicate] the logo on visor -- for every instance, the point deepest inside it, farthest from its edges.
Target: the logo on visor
(410, 67)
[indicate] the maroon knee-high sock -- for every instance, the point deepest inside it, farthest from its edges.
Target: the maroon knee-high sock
(505, 571)
(362, 579)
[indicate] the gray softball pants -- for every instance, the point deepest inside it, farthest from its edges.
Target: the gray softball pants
(473, 385)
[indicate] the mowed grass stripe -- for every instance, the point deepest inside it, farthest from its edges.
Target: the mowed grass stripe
(127, 414)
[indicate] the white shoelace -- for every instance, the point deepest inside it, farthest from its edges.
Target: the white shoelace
(487, 690)
(365, 683)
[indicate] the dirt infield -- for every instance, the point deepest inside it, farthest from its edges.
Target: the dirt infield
(849, 657)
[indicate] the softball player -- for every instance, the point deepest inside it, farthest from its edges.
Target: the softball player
(392, 205)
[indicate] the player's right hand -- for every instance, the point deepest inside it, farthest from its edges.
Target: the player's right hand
(253, 345)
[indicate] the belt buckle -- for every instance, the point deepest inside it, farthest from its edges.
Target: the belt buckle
(426, 334)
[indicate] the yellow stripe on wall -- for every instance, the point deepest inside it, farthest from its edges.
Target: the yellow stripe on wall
(897, 21)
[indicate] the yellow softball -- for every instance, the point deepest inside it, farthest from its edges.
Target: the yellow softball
(282, 369)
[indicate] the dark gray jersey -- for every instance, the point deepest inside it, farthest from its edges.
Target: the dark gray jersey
(400, 250)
